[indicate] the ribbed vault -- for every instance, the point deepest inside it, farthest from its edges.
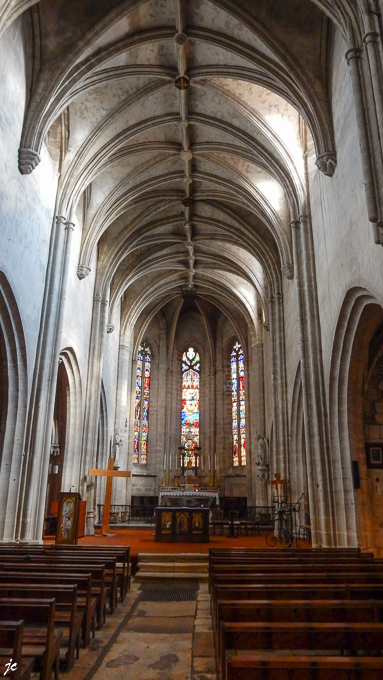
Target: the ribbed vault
(188, 188)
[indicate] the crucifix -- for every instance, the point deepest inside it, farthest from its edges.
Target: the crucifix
(277, 482)
(109, 474)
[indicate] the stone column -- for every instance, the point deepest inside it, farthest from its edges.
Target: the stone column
(33, 488)
(121, 414)
(281, 463)
(314, 401)
(168, 462)
(92, 404)
(212, 450)
(257, 402)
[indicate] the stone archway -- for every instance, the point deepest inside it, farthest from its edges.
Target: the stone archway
(359, 320)
(13, 399)
(59, 438)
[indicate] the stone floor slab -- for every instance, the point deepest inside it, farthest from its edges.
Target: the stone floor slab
(161, 624)
(203, 664)
(149, 657)
(168, 609)
(203, 644)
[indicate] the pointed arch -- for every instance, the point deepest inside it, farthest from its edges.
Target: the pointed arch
(14, 367)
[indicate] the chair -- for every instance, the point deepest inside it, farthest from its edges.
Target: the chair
(266, 521)
(250, 522)
(217, 521)
(304, 530)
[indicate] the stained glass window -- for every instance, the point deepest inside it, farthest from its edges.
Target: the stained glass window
(141, 407)
(238, 406)
(190, 404)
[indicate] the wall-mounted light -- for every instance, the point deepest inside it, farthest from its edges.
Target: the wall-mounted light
(55, 469)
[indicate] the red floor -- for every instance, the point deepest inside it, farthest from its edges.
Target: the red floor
(142, 541)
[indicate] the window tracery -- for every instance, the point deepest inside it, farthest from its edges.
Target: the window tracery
(191, 368)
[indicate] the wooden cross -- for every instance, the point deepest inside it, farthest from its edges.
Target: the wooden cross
(109, 474)
(278, 482)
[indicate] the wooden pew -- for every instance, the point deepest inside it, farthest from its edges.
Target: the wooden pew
(122, 553)
(280, 667)
(40, 639)
(11, 639)
(66, 614)
(97, 574)
(335, 637)
(85, 602)
(68, 561)
(298, 611)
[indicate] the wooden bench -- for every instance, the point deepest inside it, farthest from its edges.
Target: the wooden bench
(267, 570)
(85, 602)
(65, 561)
(336, 637)
(97, 574)
(66, 615)
(298, 611)
(11, 639)
(284, 667)
(40, 639)
(122, 554)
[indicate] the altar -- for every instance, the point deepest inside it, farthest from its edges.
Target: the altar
(176, 497)
(182, 525)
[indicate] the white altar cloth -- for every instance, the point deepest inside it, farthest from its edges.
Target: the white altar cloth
(177, 493)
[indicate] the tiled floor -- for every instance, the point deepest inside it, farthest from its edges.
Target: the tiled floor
(151, 641)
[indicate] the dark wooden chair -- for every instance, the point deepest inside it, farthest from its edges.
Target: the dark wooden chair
(304, 530)
(218, 523)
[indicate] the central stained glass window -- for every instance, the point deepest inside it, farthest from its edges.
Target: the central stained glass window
(238, 407)
(191, 369)
(141, 407)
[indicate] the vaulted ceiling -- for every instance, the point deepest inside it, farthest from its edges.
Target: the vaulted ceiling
(189, 188)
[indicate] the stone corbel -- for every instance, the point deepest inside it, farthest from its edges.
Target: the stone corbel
(326, 163)
(28, 161)
(83, 271)
(263, 473)
(55, 450)
(109, 328)
(378, 234)
(288, 271)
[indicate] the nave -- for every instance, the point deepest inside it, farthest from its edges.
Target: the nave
(248, 613)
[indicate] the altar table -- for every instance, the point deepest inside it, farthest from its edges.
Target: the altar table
(182, 525)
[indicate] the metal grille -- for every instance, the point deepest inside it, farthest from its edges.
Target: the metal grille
(175, 595)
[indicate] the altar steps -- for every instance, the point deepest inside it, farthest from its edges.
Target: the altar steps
(172, 566)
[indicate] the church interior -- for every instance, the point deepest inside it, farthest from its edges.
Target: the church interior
(191, 331)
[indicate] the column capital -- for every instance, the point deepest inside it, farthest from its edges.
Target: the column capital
(70, 226)
(353, 53)
(295, 224)
(61, 220)
(124, 348)
(370, 37)
(288, 270)
(101, 300)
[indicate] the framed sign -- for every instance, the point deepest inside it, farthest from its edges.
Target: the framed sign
(67, 518)
(374, 455)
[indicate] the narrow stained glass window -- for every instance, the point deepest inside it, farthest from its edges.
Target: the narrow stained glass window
(238, 406)
(141, 408)
(190, 404)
